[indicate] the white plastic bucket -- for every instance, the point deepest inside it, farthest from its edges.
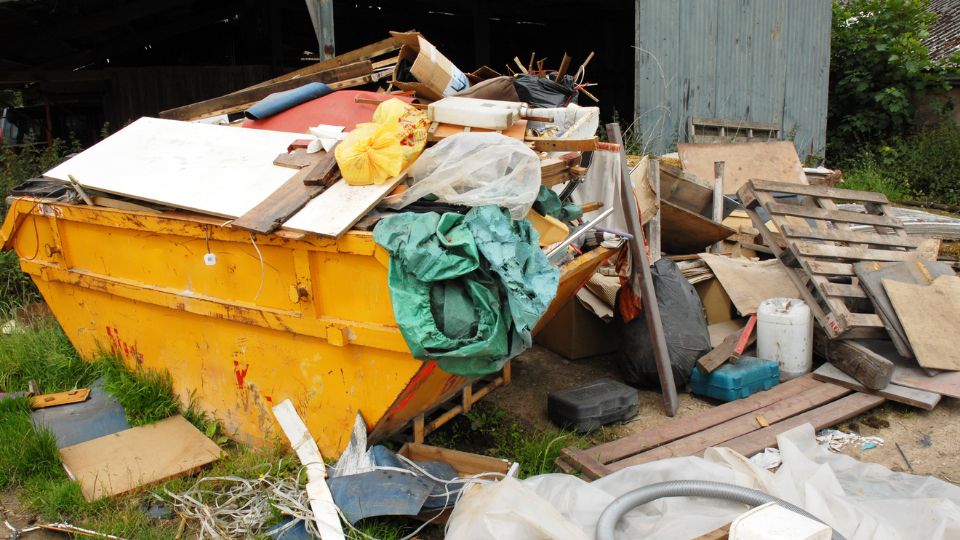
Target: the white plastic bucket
(785, 334)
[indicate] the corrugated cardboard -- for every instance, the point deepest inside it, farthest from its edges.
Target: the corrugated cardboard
(436, 75)
(575, 333)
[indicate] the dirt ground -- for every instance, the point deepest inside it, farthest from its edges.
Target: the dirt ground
(928, 438)
(12, 512)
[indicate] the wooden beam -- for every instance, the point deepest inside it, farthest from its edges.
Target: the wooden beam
(894, 392)
(640, 264)
(869, 368)
(564, 145)
(195, 110)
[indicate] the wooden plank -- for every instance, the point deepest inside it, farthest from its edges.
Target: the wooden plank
(844, 290)
(930, 315)
(288, 199)
(683, 231)
(709, 362)
(856, 360)
(135, 457)
(822, 417)
(696, 443)
(828, 268)
(465, 463)
(672, 430)
(685, 189)
(907, 373)
(335, 210)
(744, 161)
(564, 145)
(833, 215)
(850, 253)
(254, 94)
(640, 262)
(859, 237)
(819, 191)
(584, 462)
(901, 394)
(366, 52)
(60, 398)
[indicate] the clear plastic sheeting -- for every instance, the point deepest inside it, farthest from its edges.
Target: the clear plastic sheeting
(862, 501)
(476, 169)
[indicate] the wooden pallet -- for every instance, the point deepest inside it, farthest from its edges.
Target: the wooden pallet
(820, 248)
(474, 391)
(738, 425)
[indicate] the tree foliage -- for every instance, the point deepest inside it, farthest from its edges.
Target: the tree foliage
(878, 68)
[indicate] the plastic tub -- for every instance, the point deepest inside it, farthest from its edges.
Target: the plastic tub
(785, 334)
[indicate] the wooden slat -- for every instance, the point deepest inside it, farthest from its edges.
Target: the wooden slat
(564, 145)
(709, 362)
(859, 237)
(819, 191)
(250, 95)
(840, 289)
(683, 231)
(901, 394)
(850, 253)
(828, 268)
(584, 462)
(838, 215)
(822, 417)
(715, 436)
(672, 430)
(366, 52)
(864, 319)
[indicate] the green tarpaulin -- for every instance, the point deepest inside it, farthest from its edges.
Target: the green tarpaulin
(466, 289)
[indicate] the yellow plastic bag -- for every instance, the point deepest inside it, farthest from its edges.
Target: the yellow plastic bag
(414, 124)
(371, 154)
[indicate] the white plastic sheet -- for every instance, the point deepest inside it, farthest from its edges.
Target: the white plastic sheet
(476, 169)
(863, 501)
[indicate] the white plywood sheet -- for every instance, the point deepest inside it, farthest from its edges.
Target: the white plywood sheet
(218, 170)
(335, 210)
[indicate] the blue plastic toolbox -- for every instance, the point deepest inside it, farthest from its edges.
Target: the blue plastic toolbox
(736, 380)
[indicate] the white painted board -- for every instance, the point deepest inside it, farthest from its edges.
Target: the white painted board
(219, 170)
(212, 169)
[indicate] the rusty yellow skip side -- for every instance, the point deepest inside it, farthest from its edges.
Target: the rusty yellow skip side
(278, 316)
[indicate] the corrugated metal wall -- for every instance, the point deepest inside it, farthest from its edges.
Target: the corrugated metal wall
(755, 60)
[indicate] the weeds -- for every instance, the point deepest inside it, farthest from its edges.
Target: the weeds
(24, 451)
(146, 396)
(42, 353)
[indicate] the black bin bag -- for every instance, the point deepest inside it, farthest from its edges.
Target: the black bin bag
(684, 326)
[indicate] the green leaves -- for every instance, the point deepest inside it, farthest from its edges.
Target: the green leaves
(878, 69)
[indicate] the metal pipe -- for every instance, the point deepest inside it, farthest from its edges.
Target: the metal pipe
(579, 231)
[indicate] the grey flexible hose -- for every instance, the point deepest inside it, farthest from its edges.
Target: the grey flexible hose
(688, 488)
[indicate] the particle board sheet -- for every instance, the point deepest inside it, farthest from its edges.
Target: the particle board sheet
(748, 282)
(906, 371)
(128, 459)
(219, 170)
(744, 161)
(683, 232)
(930, 315)
(918, 272)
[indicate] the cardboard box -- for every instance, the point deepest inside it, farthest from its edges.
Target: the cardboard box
(575, 333)
(435, 75)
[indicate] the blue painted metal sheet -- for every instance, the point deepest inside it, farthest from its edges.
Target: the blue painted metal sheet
(751, 60)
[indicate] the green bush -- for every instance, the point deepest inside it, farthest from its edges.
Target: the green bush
(879, 66)
(929, 163)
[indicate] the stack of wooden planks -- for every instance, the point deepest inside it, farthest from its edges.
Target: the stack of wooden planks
(747, 426)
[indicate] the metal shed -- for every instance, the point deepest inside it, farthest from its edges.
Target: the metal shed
(747, 60)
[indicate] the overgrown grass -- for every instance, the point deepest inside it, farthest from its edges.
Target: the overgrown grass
(40, 351)
(25, 452)
(869, 175)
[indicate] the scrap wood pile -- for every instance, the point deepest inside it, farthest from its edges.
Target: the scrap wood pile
(805, 270)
